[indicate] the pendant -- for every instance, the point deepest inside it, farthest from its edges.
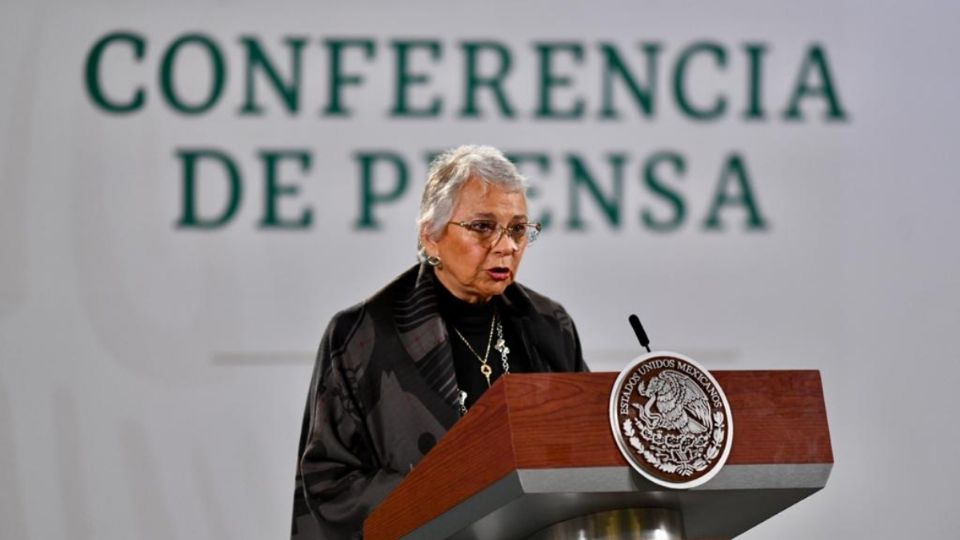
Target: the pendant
(462, 400)
(487, 371)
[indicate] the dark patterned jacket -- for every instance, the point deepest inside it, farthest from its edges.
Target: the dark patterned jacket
(384, 391)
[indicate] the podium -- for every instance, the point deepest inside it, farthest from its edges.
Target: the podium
(537, 450)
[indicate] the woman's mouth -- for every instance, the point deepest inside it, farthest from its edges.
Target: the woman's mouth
(499, 273)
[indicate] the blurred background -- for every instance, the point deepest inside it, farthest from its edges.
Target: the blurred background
(190, 190)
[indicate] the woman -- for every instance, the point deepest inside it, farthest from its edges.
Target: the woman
(395, 372)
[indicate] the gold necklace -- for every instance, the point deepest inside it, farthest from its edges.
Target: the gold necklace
(484, 366)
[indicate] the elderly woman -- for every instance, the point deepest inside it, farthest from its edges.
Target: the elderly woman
(396, 371)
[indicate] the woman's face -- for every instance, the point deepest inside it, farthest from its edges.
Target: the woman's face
(473, 269)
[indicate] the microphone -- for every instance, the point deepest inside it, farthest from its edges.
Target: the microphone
(638, 330)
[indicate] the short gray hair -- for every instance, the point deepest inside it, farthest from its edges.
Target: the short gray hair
(451, 170)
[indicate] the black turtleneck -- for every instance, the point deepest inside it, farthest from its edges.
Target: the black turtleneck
(473, 321)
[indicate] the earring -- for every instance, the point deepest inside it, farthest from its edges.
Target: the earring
(434, 261)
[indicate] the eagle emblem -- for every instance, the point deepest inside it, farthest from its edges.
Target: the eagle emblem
(681, 405)
(671, 420)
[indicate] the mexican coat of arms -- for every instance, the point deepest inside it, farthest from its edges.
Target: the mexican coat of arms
(671, 420)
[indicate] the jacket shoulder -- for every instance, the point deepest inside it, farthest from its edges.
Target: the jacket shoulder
(544, 305)
(344, 324)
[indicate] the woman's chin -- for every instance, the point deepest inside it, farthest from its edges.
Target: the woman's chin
(495, 288)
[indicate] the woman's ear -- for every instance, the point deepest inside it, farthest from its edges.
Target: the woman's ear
(430, 247)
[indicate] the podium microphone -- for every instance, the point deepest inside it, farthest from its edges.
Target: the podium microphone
(638, 330)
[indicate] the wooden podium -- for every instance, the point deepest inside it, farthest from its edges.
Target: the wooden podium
(537, 450)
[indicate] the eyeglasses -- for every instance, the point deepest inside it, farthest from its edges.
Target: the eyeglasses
(491, 231)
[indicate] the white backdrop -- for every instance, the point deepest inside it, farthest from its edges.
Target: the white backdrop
(152, 377)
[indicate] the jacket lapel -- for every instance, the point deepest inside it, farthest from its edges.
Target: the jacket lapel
(424, 336)
(517, 309)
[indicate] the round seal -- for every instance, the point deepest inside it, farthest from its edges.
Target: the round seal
(671, 420)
